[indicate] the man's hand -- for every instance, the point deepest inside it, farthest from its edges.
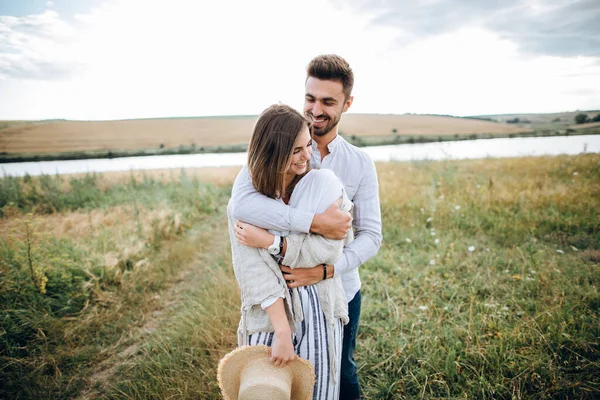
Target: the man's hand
(333, 223)
(252, 236)
(304, 276)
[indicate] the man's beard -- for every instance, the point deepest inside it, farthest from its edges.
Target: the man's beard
(327, 128)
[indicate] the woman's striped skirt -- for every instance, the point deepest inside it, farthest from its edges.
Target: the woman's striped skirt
(312, 342)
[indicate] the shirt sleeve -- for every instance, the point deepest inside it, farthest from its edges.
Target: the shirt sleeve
(256, 272)
(250, 206)
(366, 223)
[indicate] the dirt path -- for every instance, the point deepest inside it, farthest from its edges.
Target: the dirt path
(211, 235)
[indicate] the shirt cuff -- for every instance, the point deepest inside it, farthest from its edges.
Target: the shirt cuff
(300, 221)
(269, 302)
(340, 267)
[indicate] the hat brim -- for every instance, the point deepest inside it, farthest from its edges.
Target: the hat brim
(232, 364)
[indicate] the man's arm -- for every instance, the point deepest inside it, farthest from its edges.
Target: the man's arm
(368, 237)
(366, 223)
(254, 208)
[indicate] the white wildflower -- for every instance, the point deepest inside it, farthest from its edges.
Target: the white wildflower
(560, 251)
(457, 207)
(436, 241)
(431, 262)
(423, 308)
(429, 219)
(575, 173)
(432, 233)
(408, 240)
(471, 249)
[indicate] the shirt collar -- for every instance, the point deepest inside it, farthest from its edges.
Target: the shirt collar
(332, 145)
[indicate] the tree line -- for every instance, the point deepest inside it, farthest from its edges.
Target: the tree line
(582, 118)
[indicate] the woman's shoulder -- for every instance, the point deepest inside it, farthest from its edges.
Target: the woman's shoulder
(323, 174)
(322, 178)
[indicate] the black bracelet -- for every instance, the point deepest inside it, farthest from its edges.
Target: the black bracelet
(324, 271)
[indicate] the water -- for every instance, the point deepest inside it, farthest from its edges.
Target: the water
(467, 149)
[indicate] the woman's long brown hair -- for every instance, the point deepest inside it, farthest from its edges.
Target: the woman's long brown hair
(271, 146)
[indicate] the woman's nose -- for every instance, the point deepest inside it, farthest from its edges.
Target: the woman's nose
(307, 153)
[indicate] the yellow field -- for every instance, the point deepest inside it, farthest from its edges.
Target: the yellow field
(62, 136)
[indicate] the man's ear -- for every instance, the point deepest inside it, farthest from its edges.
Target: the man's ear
(348, 103)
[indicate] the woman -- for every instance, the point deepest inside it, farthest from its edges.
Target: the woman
(305, 321)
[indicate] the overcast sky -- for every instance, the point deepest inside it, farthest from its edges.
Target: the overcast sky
(113, 59)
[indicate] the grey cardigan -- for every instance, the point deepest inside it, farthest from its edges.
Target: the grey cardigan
(259, 278)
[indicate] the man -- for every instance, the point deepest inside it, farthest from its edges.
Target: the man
(328, 94)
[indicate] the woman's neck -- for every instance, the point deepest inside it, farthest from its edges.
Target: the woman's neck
(285, 196)
(287, 181)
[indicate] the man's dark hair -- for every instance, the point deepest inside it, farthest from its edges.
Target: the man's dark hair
(332, 67)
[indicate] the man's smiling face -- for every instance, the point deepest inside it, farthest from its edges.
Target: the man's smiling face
(324, 103)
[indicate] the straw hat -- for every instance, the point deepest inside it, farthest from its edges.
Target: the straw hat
(247, 373)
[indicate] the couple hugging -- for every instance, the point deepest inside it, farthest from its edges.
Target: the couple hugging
(303, 216)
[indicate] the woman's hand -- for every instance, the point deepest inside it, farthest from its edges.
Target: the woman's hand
(252, 236)
(282, 351)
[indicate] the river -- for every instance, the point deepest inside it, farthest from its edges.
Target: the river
(466, 149)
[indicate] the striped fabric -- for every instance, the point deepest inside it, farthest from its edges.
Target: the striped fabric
(312, 342)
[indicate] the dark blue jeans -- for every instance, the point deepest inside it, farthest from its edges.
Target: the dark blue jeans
(349, 386)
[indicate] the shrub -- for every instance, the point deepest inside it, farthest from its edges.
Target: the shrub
(581, 118)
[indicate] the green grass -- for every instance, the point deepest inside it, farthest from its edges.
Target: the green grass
(64, 307)
(513, 318)
(486, 286)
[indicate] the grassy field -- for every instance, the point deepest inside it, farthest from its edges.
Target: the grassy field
(486, 286)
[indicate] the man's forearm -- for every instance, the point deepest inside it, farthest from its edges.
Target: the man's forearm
(362, 249)
(254, 208)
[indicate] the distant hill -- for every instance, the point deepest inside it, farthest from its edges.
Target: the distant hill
(71, 136)
(540, 121)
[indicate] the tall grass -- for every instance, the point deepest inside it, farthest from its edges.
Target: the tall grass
(486, 285)
(72, 255)
(487, 282)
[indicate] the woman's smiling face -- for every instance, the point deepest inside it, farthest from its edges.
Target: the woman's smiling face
(301, 153)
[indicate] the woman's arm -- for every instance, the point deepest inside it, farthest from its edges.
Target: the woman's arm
(307, 250)
(283, 350)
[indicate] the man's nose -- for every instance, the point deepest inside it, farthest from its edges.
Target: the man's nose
(316, 109)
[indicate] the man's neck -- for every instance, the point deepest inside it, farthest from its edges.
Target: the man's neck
(323, 142)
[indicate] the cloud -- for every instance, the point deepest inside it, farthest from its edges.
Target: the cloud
(37, 47)
(558, 28)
